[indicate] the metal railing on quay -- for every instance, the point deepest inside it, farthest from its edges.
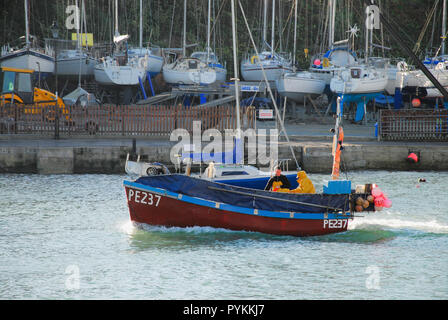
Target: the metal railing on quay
(122, 120)
(413, 125)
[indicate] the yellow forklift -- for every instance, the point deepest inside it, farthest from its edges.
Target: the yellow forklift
(18, 89)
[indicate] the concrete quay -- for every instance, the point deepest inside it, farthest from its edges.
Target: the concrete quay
(311, 144)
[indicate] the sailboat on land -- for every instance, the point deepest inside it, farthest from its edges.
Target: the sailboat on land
(274, 64)
(152, 55)
(119, 69)
(202, 68)
(297, 85)
(76, 62)
(31, 56)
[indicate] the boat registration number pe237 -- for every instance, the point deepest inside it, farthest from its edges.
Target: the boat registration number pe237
(144, 197)
(335, 223)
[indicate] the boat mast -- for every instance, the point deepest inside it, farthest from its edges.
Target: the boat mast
(332, 10)
(366, 56)
(273, 27)
(141, 25)
(443, 27)
(265, 18)
(295, 36)
(237, 97)
(27, 27)
(184, 46)
(208, 29)
(116, 19)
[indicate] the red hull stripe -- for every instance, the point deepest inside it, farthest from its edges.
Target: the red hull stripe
(235, 209)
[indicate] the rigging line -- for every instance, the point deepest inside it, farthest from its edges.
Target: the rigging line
(286, 24)
(268, 86)
(171, 27)
(422, 33)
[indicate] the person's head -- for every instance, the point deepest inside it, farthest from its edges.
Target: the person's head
(278, 171)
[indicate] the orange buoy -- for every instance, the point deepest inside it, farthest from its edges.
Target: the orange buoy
(366, 204)
(416, 102)
(359, 201)
(370, 199)
(412, 158)
(358, 208)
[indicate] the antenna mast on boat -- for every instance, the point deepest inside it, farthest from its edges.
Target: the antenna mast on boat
(235, 70)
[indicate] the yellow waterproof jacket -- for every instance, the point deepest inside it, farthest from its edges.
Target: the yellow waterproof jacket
(305, 184)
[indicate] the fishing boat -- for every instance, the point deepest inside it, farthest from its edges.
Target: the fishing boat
(175, 200)
(31, 56)
(234, 174)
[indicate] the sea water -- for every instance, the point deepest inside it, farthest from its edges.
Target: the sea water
(70, 237)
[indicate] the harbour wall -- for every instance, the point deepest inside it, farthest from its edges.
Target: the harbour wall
(313, 156)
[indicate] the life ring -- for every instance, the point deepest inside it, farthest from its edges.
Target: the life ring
(325, 63)
(252, 59)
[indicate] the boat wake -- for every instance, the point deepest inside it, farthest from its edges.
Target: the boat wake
(432, 226)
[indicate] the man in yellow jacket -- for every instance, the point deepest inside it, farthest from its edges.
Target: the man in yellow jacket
(305, 184)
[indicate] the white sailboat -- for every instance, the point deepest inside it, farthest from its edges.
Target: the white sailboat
(31, 56)
(438, 66)
(361, 78)
(297, 85)
(152, 55)
(274, 64)
(119, 69)
(76, 62)
(202, 68)
(324, 66)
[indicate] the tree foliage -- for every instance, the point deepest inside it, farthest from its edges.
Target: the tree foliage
(163, 23)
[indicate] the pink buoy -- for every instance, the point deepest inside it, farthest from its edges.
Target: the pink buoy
(379, 202)
(317, 62)
(376, 192)
(387, 203)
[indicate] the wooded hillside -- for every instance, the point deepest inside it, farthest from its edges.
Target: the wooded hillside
(163, 23)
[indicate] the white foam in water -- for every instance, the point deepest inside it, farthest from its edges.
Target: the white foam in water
(432, 226)
(194, 230)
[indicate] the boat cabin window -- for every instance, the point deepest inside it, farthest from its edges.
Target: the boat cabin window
(234, 173)
(355, 73)
(192, 64)
(8, 81)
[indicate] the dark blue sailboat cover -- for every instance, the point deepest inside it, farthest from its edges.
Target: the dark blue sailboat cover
(248, 198)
